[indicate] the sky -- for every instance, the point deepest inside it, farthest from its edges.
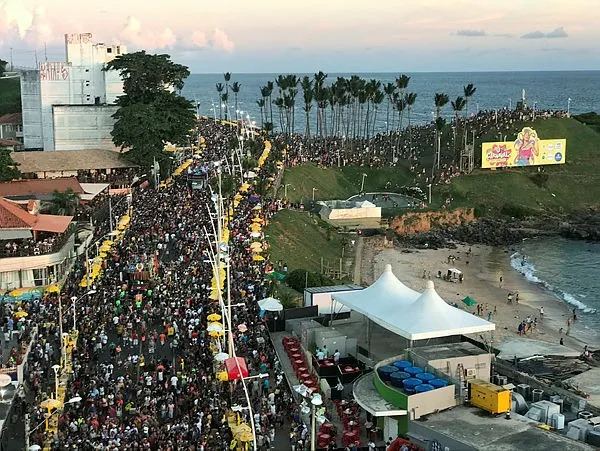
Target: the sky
(261, 36)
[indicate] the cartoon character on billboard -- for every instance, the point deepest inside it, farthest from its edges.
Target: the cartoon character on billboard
(526, 147)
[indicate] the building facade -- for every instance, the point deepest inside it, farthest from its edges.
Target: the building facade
(69, 105)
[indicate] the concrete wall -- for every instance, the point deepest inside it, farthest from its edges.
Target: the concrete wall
(480, 363)
(31, 108)
(83, 127)
(422, 435)
(425, 403)
(355, 213)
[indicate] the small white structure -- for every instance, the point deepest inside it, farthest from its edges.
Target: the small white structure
(321, 297)
(68, 105)
(344, 209)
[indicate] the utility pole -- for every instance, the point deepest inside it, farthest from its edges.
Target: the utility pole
(11, 59)
(45, 52)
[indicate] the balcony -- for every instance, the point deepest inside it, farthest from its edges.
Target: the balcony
(51, 244)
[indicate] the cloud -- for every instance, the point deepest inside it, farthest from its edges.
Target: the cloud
(471, 33)
(40, 30)
(14, 16)
(220, 41)
(503, 35)
(199, 39)
(556, 33)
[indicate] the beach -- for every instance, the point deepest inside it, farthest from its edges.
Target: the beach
(482, 269)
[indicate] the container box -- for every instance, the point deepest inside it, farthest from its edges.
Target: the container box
(489, 397)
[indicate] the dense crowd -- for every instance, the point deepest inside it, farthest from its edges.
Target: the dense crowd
(144, 364)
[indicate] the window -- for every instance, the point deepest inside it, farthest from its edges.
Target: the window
(118, 50)
(109, 50)
(96, 100)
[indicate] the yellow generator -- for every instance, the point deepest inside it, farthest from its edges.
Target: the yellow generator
(489, 397)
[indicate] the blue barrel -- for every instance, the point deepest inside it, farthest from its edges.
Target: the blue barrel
(438, 383)
(425, 377)
(386, 371)
(410, 384)
(423, 388)
(397, 378)
(402, 364)
(412, 370)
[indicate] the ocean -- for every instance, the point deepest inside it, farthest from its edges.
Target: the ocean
(495, 90)
(568, 270)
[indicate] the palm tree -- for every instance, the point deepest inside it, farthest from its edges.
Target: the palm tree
(457, 106)
(440, 100)
(377, 100)
(320, 98)
(261, 105)
(227, 77)
(270, 86)
(308, 94)
(401, 84)
(268, 128)
(410, 100)
(235, 88)
(389, 90)
(64, 203)
(220, 88)
(468, 91)
(224, 99)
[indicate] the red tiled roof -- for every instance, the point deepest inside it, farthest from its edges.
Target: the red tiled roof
(11, 118)
(12, 216)
(31, 187)
(52, 223)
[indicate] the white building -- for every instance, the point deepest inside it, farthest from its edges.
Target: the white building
(68, 105)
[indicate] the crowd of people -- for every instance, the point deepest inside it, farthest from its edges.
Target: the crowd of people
(144, 366)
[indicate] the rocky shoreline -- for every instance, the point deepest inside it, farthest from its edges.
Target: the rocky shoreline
(502, 232)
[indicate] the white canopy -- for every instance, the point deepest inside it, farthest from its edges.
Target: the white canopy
(430, 317)
(270, 305)
(405, 312)
(386, 297)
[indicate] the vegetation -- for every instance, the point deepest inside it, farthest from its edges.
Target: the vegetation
(3, 65)
(299, 279)
(10, 95)
(64, 203)
(340, 183)
(529, 190)
(149, 113)
(8, 168)
(287, 235)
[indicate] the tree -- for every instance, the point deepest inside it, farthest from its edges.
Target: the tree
(440, 100)
(227, 78)
(8, 168)
(150, 113)
(235, 88)
(3, 65)
(220, 87)
(64, 203)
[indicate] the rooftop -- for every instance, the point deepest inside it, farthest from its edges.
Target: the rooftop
(69, 160)
(12, 216)
(478, 429)
(333, 289)
(369, 398)
(447, 351)
(11, 118)
(31, 188)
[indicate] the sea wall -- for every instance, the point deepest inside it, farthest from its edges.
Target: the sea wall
(419, 222)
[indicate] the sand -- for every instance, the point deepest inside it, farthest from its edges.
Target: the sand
(481, 282)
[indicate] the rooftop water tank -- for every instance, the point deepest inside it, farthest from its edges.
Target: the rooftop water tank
(412, 370)
(410, 384)
(386, 371)
(438, 383)
(401, 364)
(397, 378)
(425, 377)
(423, 388)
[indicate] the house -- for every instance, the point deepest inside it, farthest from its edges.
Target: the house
(35, 249)
(38, 189)
(11, 127)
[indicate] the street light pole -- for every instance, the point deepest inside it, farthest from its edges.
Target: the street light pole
(56, 369)
(315, 401)
(313, 193)
(429, 186)
(63, 351)
(362, 184)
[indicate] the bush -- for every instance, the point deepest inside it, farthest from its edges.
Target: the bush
(298, 280)
(516, 211)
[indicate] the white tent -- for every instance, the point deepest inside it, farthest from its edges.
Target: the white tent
(270, 305)
(430, 317)
(408, 313)
(386, 296)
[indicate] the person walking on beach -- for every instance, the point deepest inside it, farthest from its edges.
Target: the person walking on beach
(500, 281)
(541, 312)
(569, 322)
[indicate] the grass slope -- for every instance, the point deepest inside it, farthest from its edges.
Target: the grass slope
(571, 186)
(10, 95)
(339, 183)
(300, 240)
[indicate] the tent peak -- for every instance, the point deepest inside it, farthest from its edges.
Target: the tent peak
(430, 285)
(388, 268)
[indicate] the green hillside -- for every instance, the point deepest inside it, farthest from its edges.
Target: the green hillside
(560, 188)
(339, 183)
(510, 191)
(10, 95)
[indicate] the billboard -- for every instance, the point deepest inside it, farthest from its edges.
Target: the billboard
(527, 150)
